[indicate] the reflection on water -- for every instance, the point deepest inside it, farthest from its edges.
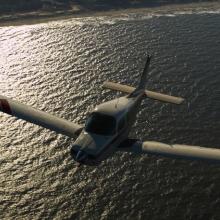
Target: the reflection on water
(60, 66)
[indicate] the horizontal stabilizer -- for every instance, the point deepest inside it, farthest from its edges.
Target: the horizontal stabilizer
(164, 97)
(38, 117)
(149, 94)
(118, 87)
(174, 151)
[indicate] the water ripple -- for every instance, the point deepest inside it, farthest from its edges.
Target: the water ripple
(60, 66)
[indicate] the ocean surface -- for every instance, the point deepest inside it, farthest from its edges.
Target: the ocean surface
(60, 66)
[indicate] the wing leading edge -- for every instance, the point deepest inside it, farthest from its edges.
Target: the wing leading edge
(38, 117)
(173, 151)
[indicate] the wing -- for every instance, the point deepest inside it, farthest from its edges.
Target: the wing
(176, 150)
(38, 117)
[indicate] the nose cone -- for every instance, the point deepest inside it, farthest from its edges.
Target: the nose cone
(81, 156)
(78, 155)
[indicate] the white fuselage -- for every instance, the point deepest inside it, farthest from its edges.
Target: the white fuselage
(106, 128)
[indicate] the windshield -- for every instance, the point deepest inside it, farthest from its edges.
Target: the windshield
(101, 124)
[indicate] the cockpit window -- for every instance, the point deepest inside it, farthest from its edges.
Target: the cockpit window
(101, 124)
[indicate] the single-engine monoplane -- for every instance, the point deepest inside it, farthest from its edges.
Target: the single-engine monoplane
(107, 127)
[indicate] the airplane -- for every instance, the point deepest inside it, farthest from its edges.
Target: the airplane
(107, 127)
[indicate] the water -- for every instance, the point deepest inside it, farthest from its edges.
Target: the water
(60, 66)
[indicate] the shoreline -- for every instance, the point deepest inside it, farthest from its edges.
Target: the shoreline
(36, 17)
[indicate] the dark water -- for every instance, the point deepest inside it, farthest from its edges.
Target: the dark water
(60, 66)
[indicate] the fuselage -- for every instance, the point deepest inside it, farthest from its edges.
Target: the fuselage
(105, 129)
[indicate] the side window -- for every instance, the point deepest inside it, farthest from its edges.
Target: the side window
(121, 123)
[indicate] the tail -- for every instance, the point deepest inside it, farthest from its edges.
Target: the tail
(143, 79)
(133, 92)
(141, 86)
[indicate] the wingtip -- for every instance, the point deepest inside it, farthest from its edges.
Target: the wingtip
(181, 100)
